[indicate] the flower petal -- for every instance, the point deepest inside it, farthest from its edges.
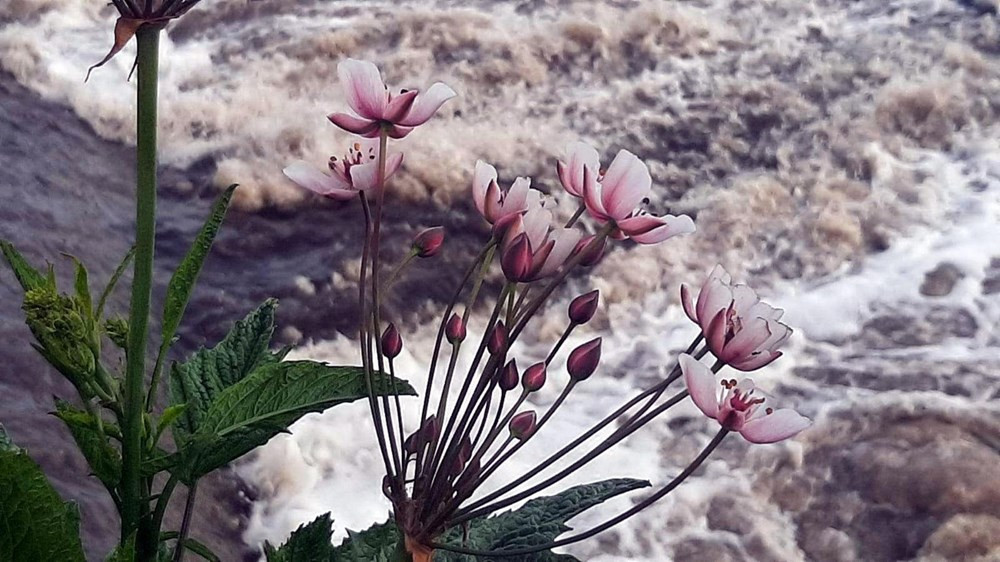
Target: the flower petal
(516, 199)
(625, 184)
(701, 385)
(647, 229)
(366, 92)
(592, 195)
(364, 176)
(312, 179)
(776, 426)
(399, 106)
(392, 163)
(714, 296)
(755, 361)
(581, 156)
(536, 224)
(566, 240)
(353, 124)
(427, 104)
(753, 333)
(481, 179)
(688, 303)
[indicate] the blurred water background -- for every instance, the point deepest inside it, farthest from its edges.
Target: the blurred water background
(841, 156)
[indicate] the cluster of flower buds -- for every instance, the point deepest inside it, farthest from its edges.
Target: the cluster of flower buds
(435, 472)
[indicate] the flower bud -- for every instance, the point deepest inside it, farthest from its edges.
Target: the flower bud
(534, 377)
(522, 425)
(592, 253)
(584, 359)
(455, 330)
(509, 376)
(583, 307)
(428, 242)
(392, 343)
(497, 343)
(517, 259)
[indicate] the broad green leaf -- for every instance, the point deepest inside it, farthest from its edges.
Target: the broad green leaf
(376, 543)
(105, 461)
(197, 381)
(27, 276)
(183, 280)
(309, 543)
(268, 401)
(539, 521)
(115, 277)
(35, 524)
(124, 552)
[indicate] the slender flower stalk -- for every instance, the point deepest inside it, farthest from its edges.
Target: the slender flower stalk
(434, 473)
(147, 63)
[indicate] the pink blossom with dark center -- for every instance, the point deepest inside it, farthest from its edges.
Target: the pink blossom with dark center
(357, 171)
(616, 196)
(741, 330)
(532, 248)
(495, 203)
(738, 406)
(375, 108)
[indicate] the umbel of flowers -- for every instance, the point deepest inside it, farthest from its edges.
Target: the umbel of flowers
(472, 421)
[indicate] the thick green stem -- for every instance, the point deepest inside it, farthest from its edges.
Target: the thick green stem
(148, 38)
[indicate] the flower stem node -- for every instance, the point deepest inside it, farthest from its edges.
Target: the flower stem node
(584, 359)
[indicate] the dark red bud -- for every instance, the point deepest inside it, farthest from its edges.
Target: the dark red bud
(534, 377)
(465, 449)
(509, 376)
(583, 307)
(392, 343)
(498, 339)
(516, 260)
(592, 253)
(522, 425)
(455, 330)
(428, 242)
(584, 359)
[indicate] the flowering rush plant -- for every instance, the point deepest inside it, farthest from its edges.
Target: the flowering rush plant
(474, 420)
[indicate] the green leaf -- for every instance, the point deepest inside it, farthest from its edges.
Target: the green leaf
(309, 543)
(208, 372)
(35, 524)
(115, 277)
(105, 461)
(376, 543)
(182, 282)
(539, 521)
(167, 418)
(193, 545)
(124, 552)
(27, 276)
(268, 401)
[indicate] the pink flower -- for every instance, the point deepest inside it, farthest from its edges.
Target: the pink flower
(737, 407)
(375, 107)
(741, 330)
(496, 204)
(583, 160)
(532, 249)
(616, 196)
(357, 171)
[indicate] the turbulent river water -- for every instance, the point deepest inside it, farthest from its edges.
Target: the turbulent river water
(843, 157)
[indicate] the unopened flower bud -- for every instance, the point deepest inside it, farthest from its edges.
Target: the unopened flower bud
(522, 425)
(592, 253)
(497, 343)
(584, 359)
(455, 330)
(428, 242)
(517, 259)
(509, 376)
(534, 377)
(392, 343)
(583, 307)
